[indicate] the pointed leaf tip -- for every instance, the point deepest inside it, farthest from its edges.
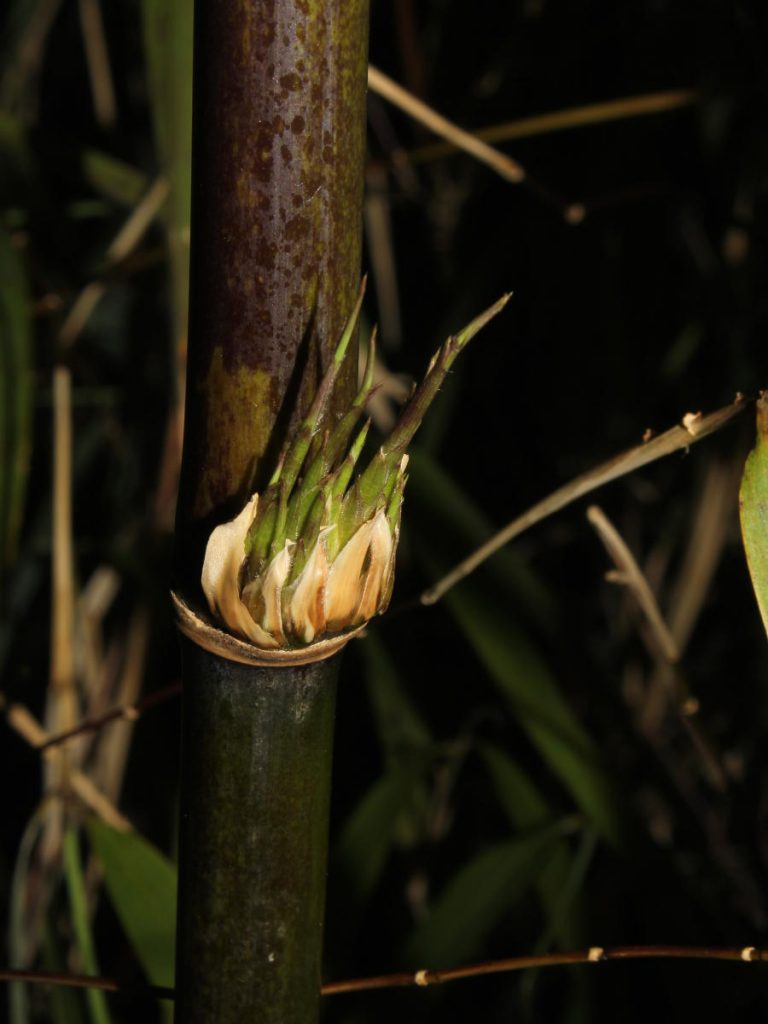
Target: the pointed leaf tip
(753, 509)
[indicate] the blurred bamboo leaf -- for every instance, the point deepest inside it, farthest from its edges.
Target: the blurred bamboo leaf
(482, 613)
(526, 683)
(15, 395)
(393, 807)
(400, 728)
(478, 897)
(65, 1003)
(367, 837)
(168, 49)
(17, 171)
(522, 802)
(114, 178)
(26, 28)
(526, 809)
(81, 923)
(141, 883)
(19, 946)
(753, 505)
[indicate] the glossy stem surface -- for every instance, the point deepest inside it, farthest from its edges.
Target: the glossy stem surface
(277, 186)
(277, 191)
(253, 840)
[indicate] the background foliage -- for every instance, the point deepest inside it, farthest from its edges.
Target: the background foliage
(511, 772)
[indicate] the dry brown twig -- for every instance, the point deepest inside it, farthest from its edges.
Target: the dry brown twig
(510, 170)
(427, 978)
(695, 427)
(714, 510)
(122, 245)
(571, 117)
(97, 61)
(629, 574)
(27, 726)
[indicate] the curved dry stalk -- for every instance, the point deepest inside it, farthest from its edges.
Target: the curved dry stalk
(629, 574)
(510, 170)
(571, 117)
(695, 427)
(27, 726)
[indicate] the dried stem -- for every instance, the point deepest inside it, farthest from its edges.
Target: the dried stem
(571, 117)
(629, 574)
(510, 170)
(695, 428)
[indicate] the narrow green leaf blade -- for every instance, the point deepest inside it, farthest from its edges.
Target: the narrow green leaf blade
(168, 46)
(753, 508)
(114, 178)
(16, 384)
(81, 924)
(141, 883)
(477, 898)
(401, 729)
(66, 1004)
(522, 802)
(367, 837)
(527, 809)
(526, 683)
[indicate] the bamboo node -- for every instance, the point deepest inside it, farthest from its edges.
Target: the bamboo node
(196, 626)
(311, 559)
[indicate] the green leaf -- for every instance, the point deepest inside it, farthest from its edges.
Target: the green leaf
(368, 835)
(476, 900)
(114, 178)
(527, 685)
(141, 883)
(526, 809)
(66, 1005)
(81, 923)
(522, 802)
(17, 168)
(168, 47)
(400, 728)
(753, 507)
(16, 383)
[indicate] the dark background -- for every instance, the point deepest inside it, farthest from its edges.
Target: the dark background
(653, 306)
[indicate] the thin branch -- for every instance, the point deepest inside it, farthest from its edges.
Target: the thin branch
(424, 978)
(84, 981)
(504, 165)
(122, 245)
(596, 954)
(630, 575)
(62, 672)
(27, 726)
(97, 60)
(707, 535)
(694, 428)
(571, 117)
(510, 170)
(124, 712)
